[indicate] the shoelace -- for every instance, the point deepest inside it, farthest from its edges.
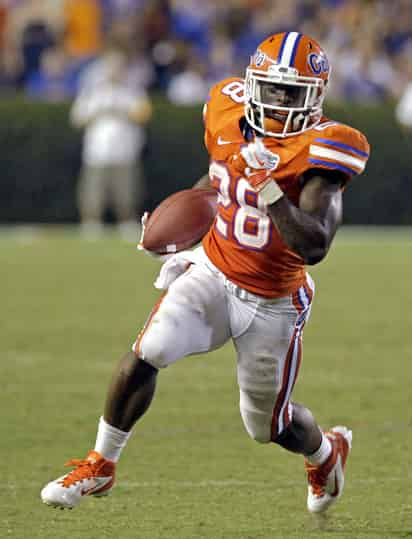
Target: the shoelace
(317, 477)
(84, 469)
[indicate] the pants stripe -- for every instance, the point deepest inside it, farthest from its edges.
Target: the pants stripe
(136, 346)
(287, 418)
(281, 417)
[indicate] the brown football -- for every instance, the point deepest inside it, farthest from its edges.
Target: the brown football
(180, 221)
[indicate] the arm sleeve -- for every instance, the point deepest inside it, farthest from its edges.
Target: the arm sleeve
(82, 110)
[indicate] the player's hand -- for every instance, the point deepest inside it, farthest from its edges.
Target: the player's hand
(259, 163)
(143, 221)
(174, 268)
(258, 157)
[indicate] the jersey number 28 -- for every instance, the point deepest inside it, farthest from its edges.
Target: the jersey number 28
(247, 223)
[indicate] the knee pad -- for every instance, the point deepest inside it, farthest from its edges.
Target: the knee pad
(256, 411)
(153, 351)
(156, 342)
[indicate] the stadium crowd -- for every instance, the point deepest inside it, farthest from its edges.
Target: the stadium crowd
(48, 48)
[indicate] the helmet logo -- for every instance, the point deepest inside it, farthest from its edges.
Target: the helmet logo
(259, 58)
(318, 63)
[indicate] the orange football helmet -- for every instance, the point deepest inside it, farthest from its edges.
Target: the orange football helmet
(285, 85)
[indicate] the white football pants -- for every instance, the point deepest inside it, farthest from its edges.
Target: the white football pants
(202, 310)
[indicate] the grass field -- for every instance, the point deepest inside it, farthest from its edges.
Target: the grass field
(71, 308)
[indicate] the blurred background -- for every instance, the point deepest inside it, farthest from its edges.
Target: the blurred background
(78, 76)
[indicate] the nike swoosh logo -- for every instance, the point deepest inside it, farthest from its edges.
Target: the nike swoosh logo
(86, 491)
(220, 141)
(99, 483)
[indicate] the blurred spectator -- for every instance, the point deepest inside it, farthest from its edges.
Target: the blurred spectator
(257, 20)
(191, 21)
(139, 73)
(3, 23)
(112, 114)
(114, 10)
(188, 85)
(55, 80)
(403, 111)
(364, 39)
(396, 25)
(31, 28)
(36, 39)
(238, 24)
(83, 28)
(160, 44)
(157, 22)
(221, 54)
(363, 72)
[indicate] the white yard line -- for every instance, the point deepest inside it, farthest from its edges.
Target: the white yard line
(216, 483)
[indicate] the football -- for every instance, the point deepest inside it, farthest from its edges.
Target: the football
(180, 221)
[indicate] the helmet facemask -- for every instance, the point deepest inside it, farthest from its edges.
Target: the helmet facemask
(281, 94)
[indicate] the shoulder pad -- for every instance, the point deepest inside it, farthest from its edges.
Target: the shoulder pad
(337, 146)
(225, 95)
(225, 103)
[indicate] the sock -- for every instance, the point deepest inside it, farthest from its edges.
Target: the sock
(110, 441)
(322, 454)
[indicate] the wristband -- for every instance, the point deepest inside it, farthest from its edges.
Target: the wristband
(271, 192)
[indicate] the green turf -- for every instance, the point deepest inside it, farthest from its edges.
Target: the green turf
(71, 308)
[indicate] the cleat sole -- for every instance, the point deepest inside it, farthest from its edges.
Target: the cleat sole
(57, 506)
(101, 494)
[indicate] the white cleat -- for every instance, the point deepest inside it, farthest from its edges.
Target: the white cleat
(326, 482)
(93, 476)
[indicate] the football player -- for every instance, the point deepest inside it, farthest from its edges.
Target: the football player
(279, 167)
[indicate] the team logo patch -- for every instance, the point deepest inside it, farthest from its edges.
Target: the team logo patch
(318, 63)
(259, 58)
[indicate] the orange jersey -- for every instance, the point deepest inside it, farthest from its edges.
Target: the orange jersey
(243, 242)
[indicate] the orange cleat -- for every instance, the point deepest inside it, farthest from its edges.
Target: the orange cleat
(327, 480)
(93, 476)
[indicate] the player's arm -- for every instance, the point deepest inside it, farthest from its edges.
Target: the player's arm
(83, 110)
(310, 228)
(141, 112)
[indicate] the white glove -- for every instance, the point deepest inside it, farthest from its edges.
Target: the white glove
(174, 268)
(258, 157)
(261, 163)
(143, 222)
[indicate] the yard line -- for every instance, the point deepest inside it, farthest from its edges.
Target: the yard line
(217, 483)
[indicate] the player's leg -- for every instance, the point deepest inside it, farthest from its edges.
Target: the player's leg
(269, 356)
(130, 393)
(302, 435)
(123, 189)
(140, 186)
(190, 318)
(91, 194)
